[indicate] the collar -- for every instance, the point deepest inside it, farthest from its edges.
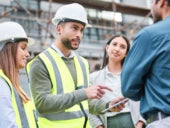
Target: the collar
(60, 53)
(108, 72)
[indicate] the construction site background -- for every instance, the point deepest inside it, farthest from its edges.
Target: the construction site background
(107, 17)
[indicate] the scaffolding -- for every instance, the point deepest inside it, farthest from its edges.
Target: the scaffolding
(37, 22)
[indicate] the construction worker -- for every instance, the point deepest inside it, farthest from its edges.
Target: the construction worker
(16, 108)
(59, 78)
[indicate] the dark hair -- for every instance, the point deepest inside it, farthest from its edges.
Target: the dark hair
(167, 0)
(105, 57)
(156, 1)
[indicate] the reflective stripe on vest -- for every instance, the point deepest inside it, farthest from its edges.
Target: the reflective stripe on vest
(19, 109)
(46, 57)
(58, 76)
(63, 115)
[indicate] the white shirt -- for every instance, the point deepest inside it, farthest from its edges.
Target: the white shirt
(105, 77)
(111, 80)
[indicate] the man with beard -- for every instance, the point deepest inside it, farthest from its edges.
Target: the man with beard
(147, 66)
(59, 78)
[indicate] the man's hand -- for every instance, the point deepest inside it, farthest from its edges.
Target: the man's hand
(96, 91)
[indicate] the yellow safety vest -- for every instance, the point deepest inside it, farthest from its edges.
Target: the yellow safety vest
(62, 82)
(24, 111)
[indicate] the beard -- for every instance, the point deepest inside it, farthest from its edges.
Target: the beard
(67, 43)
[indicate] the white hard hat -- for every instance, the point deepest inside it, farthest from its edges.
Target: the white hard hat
(72, 12)
(10, 31)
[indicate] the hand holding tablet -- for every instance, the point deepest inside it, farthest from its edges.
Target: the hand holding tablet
(116, 104)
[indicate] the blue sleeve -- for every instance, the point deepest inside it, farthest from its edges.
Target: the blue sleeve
(7, 114)
(136, 66)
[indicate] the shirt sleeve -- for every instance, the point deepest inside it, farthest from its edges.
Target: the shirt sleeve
(96, 106)
(46, 102)
(95, 121)
(135, 112)
(136, 65)
(7, 114)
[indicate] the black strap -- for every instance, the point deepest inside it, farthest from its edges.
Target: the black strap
(82, 109)
(36, 118)
(85, 115)
(85, 85)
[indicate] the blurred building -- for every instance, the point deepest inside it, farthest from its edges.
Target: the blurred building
(107, 17)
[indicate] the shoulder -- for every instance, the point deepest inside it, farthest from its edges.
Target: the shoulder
(146, 37)
(38, 68)
(83, 59)
(86, 63)
(156, 29)
(36, 62)
(153, 34)
(96, 74)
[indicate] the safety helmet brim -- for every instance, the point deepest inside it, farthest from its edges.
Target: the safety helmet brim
(30, 41)
(13, 32)
(58, 21)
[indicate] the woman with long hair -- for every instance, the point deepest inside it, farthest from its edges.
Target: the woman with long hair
(115, 52)
(16, 108)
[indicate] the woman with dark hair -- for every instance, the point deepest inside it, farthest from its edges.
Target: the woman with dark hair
(115, 52)
(16, 108)
(106, 57)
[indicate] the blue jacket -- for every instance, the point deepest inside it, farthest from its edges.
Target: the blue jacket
(146, 70)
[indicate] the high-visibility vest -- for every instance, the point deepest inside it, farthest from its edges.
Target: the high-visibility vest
(24, 112)
(62, 82)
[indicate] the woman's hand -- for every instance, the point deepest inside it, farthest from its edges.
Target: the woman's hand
(140, 124)
(119, 107)
(101, 126)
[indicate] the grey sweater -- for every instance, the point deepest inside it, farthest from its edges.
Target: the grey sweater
(41, 85)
